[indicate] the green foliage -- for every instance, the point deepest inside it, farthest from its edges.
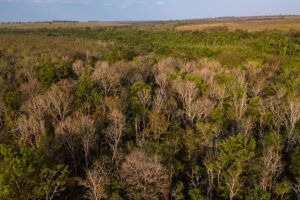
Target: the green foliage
(201, 85)
(23, 175)
(283, 189)
(235, 153)
(224, 80)
(182, 75)
(217, 114)
(253, 108)
(48, 74)
(139, 88)
(52, 181)
(87, 93)
(236, 150)
(13, 101)
(120, 53)
(257, 193)
(273, 140)
(230, 59)
(177, 192)
(196, 195)
(294, 166)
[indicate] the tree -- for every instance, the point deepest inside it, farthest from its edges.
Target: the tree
(97, 179)
(187, 91)
(144, 177)
(158, 125)
(290, 115)
(115, 130)
(59, 100)
(107, 76)
(24, 175)
(271, 160)
(234, 155)
(75, 130)
(29, 130)
(51, 182)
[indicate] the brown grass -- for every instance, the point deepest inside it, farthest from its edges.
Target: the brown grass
(251, 24)
(54, 25)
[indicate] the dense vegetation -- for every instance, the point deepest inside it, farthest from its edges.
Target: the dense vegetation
(146, 112)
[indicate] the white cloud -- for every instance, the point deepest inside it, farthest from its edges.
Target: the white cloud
(159, 3)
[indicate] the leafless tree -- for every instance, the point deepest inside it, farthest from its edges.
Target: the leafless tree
(31, 88)
(78, 68)
(188, 92)
(272, 163)
(144, 177)
(208, 163)
(76, 130)
(290, 115)
(144, 97)
(204, 107)
(107, 76)
(115, 131)
(58, 100)
(37, 107)
(97, 179)
(239, 105)
(157, 125)
(29, 130)
(159, 100)
(87, 134)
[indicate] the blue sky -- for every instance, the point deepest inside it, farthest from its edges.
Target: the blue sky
(123, 10)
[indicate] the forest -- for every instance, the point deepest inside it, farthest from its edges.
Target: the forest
(144, 111)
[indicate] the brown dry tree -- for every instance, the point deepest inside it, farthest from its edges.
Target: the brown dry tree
(144, 177)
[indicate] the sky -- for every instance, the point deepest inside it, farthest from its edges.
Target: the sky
(140, 10)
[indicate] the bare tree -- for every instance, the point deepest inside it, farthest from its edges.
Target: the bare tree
(187, 91)
(115, 131)
(29, 130)
(272, 163)
(144, 177)
(97, 179)
(239, 105)
(290, 115)
(75, 130)
(159, 100)
(87, 134)
(78, 68)
(58, 100)
(107, 76)
(37, 107)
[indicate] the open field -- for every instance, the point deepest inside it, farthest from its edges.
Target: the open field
(54, 25)
(247, 23)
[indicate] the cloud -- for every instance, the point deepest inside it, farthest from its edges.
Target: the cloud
(159, 3)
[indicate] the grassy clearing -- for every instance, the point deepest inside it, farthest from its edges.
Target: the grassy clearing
(251, 24)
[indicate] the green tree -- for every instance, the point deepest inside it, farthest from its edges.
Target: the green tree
(234, 155)
(23, 174)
